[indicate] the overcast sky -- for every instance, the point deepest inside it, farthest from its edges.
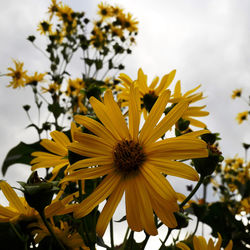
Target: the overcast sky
(207, 42)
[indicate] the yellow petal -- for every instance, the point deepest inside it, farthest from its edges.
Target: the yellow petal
(102, 113)
(96, 127)
(132, 213)
(158, 182)
(103, 190)
(154, 116)
(53, 147)
(60, 138)
(174, 168)
(167, 122)
(88, 173)
(144, 206)
(89, 162)
(109, 209)
(134, 112)
(165, 82)
(115, 115)
(12, 197)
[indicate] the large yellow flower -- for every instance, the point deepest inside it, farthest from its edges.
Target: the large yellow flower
(133, 161)
(200, 243)
(18, 75)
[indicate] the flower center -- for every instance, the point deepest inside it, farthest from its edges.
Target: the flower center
(149, 100)
(128, 156)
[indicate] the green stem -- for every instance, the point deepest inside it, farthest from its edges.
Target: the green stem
(126, 235)
(50, 229)
(145, 241)
(168, 234)
(192, 193)
(111, 233)
(196, 226)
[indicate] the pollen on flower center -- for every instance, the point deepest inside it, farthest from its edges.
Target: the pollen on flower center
(128, 156)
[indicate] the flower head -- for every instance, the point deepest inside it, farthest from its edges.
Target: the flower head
(133, 162)
(236, 93)
(18, 75)
(242, 116)
(34, 79)
(44, 27)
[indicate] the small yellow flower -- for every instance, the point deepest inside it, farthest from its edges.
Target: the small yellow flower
(34, 79)
(18, 75)
(104, 10)
(236, 93)
(53, 8)
(52, 88)
(242, 116)
(44, 27)
(129, 23)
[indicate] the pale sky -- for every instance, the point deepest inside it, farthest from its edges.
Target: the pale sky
(207, 42)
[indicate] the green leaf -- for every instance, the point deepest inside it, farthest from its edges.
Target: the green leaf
(20, 154)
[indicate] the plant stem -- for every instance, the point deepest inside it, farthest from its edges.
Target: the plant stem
(192, 193)
(111, 233)
(168, 234)
(50, 229)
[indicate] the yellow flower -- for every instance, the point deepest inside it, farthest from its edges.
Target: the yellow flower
(128, 22)
(245, 205)
(66, 234)
(74, 87)
(104, 10)
(133, 162)
(58, 158)
(195, 111)
(236, 93)
(18, 75)
(33, 80)
(19, 210)
(148, 94)
(44, 27)
(242, 116)
(64, 12)
(53, 8)
(200, 243)
(52, 88)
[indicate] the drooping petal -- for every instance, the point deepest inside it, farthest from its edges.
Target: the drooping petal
(158, 182)
(104, 189)
(132, 212)
(144, 206)
(109, 209)
(199, 242)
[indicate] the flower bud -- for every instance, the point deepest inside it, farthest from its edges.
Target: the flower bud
(38, 192)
